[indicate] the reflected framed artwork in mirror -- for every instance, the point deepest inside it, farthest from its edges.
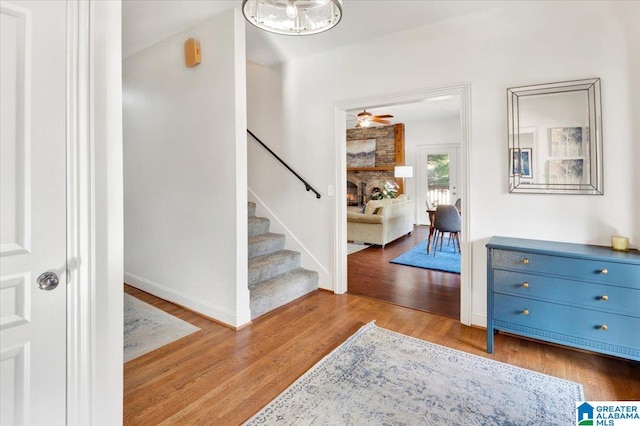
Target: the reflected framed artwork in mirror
(555, 138)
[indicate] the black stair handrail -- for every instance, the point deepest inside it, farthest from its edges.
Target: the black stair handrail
(306, 184)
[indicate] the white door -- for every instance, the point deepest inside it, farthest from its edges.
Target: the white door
(33, 213)
(438, 177)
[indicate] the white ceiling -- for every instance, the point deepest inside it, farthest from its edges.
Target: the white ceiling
(432, 109)
(146, 22)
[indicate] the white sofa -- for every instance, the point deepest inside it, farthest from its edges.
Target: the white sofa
(382, 221)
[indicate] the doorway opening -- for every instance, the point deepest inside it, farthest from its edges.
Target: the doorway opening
(407, 100)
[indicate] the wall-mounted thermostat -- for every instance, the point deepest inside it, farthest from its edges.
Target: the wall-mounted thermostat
(191, 52)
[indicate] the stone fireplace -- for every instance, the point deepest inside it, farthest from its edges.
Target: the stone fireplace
(353, 196)
(357, 194)
(389, 153)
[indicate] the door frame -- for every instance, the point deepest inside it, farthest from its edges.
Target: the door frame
(421, 174)
(463, 90)
(94, 213)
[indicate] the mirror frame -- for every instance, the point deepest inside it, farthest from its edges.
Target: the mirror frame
(520, 184)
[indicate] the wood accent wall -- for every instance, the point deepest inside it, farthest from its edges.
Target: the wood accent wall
(399, 135)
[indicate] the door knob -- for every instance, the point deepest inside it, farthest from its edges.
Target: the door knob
(48, 281)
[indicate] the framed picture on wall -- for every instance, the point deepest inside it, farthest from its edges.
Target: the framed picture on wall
(569, 171)
(520, 162)
(361, 153)
(568, 141)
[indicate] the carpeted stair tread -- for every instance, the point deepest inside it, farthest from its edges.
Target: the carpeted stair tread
(265, 243)
(273, 264)
(275, 275)
(258, 225)
(272, 293)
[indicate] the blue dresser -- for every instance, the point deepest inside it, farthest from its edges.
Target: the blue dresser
(577, 295)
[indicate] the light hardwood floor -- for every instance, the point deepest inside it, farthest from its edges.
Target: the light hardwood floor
(218, 376)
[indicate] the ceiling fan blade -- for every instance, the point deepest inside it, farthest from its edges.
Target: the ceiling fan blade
(379, 120)
(384, 116)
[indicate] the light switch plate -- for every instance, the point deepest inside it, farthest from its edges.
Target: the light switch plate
(331, 191)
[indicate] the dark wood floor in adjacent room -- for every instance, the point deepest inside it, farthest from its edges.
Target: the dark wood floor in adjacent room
(219, 376)
(371, 274)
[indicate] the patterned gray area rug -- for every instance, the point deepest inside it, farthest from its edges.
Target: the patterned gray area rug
(147, 328)
(379, 377)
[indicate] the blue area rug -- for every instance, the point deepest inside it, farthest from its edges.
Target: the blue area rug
(379, 377)
(447, 260)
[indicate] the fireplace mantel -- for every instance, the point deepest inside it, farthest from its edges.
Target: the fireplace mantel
(371, 169)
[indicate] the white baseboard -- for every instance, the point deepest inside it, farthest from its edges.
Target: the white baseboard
(199, 306)
(479, 319)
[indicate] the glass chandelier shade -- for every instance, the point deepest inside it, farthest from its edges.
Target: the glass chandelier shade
(293, 17)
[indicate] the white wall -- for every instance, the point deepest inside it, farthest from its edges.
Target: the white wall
(428, 132)
(634, 117)
(528, 43)
(185, 171)
(631, 29)
(431, 132)
(264, 107)
(267, 178)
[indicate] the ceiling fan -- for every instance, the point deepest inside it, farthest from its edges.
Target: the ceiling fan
(365, 118)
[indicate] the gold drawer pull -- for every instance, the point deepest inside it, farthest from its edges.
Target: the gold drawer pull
(604, 272)
(526, 312)
(526, 262)
(525, 285)
(605, 297)
(603, 327)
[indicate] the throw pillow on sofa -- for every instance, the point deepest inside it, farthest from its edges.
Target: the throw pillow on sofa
(374, 204)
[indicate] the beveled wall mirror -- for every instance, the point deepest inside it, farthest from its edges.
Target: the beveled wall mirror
(555, 138)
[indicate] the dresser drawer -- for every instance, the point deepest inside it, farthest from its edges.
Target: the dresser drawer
(619, 274)
(621, 330)
(619, 300)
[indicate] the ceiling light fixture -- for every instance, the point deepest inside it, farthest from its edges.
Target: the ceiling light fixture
(293, 17)
(365, 118)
